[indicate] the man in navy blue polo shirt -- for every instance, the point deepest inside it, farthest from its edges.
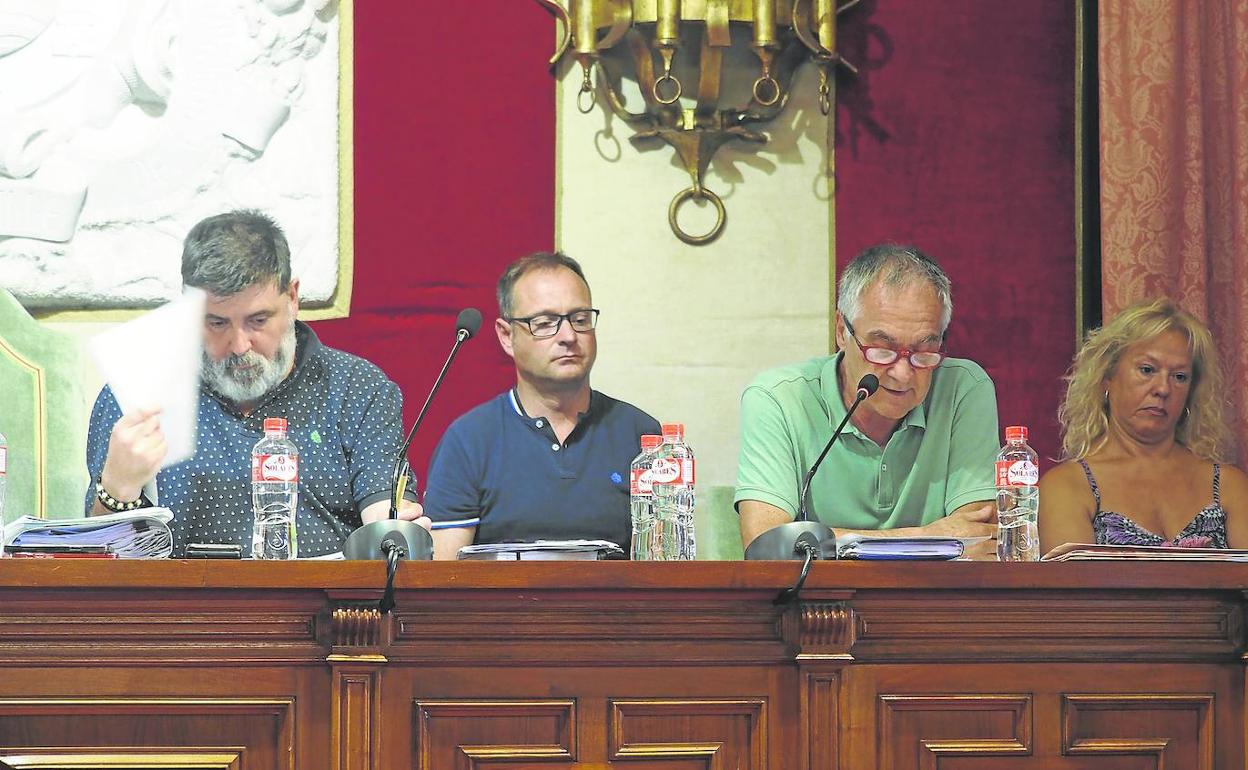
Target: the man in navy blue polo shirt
(343, 414)
(549, 458)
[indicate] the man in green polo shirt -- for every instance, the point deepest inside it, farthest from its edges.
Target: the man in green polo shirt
(917, 456)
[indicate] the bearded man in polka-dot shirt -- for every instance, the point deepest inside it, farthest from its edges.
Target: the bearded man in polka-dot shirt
(343, 413)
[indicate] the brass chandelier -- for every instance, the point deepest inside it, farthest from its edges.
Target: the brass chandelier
(782, 34)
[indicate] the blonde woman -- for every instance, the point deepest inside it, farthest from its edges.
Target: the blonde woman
(1144, 440)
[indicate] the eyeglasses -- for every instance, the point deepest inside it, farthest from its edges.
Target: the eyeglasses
(547, 324)
(919, 359)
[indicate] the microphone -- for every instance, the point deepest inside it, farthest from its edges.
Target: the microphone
(466, 325)
(392, 539)
(866, 386)
(794, 539)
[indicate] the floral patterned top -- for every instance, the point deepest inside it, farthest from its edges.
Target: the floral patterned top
(1207, 529)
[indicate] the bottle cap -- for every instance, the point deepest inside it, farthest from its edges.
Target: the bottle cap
(650, 442)
(274, 424)
(1016, 433)
(673, 431)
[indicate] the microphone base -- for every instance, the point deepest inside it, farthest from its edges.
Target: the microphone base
(365, 543)
(780, 543)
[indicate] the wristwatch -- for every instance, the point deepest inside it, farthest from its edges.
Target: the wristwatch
(115, 505)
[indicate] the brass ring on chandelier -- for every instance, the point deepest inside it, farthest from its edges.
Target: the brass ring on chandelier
(696, 192)
(581, 105)
(665, 78)
(766, 82)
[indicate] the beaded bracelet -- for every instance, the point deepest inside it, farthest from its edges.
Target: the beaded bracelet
(115, 505)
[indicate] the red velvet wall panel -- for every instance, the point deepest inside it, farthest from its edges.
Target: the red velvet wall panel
(454, 177)
(958, 136)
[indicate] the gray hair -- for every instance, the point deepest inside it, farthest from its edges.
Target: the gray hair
(541, 260)
(894, 266)
(227, 253)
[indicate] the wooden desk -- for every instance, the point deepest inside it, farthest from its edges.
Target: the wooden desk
(653, 666)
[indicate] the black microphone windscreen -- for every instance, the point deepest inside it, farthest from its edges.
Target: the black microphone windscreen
(469, 321)
(869, 383)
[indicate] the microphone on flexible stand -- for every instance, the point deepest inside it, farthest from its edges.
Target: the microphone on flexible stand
(466, 325)
(392, 539)
(802, 538)
(866, 386)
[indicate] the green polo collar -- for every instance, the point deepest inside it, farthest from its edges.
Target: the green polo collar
(830, 388)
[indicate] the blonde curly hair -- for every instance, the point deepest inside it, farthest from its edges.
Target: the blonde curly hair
(1084, 413)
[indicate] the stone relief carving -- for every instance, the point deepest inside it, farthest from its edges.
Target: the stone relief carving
(123, 122)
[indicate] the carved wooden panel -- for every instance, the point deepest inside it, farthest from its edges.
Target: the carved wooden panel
(356, 629)
(136, 733)
(106, 626)
(354, 724)
(679, 629)
(917, 731)
(823, 720)
(721, 733)
(823, 630)
(121, 759)
(1022, 625)
(1171, 731)
(467, 734)
(357, 633)
(1058, 718)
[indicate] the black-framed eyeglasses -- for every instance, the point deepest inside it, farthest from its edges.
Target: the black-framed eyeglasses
(547, 324)
(919, 359)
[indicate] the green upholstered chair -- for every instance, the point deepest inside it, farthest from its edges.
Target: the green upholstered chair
(715, 524)
(43, 414)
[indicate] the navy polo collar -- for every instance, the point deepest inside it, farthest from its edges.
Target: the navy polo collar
(595, 406)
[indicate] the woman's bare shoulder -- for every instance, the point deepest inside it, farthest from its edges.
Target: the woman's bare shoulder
(1234, 482)
(1066, 487)
(1068, 472)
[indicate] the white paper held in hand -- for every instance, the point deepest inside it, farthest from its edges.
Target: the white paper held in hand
(154, 362)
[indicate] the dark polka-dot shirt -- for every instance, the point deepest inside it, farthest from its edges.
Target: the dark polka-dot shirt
(343, 414)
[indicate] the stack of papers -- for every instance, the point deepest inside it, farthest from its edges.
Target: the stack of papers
(1090, 552)
(548, 550)
(122, 355)
(899, 548)
(141, 534)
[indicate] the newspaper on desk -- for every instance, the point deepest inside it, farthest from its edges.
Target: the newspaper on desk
(543, 550)
(141, 534)
(1096, 552)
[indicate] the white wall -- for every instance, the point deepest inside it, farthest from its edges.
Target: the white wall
(685, 328)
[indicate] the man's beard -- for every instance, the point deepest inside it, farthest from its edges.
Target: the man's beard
(247, 378)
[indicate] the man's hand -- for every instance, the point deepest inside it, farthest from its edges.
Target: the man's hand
(972, 520)
(135, 450)
(410, 511)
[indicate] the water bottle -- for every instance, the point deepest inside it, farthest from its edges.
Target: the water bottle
(1018, 498)
(640, 497)
(4, 472)
(274, 493)
(673, 474)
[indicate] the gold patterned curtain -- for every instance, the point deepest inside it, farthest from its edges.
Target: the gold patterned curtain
(1174, 167)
